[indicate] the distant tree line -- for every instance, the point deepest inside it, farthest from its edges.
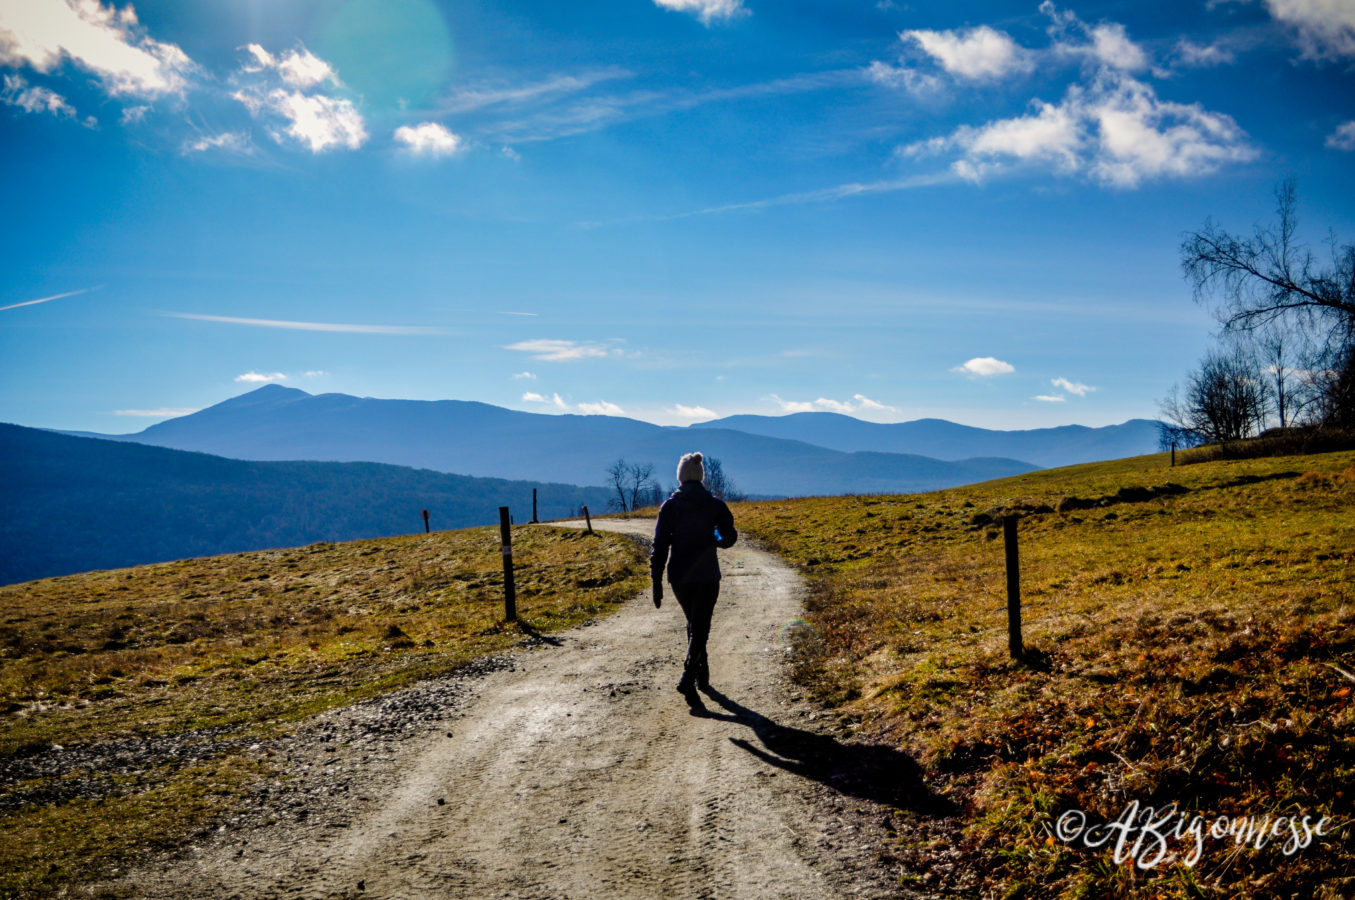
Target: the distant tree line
(1286, 352)
(633, 485)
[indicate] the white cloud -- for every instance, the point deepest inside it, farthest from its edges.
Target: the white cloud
(1072, 387)
(985, 366)
(260, 377)
(560, 351)
(102, 40)
(233, 141)
(16, 92)
(601, 408)
(313, 326)
(134, 115)
(318, 121)
(921, 84)
(1324, 29)
(692, 412)
(1115, 131)
(707, 10)
(428, 139)
(1138, 136)
(300, 68)
(1112, 47)
(163, 413)
(524, 376)
(510, 153)
(317, 373)
(1343, 138)
(793, 406)
(1050, 398)
(1107, 45)
(864, 402)
(555, 400)
(1195, 55)
(981, 52)
(827, 404)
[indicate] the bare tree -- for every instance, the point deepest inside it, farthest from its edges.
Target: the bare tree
(632, 483)
(640, 484)
(1278, 349)
(1224, 401)
(1270, 278)
(718, 483)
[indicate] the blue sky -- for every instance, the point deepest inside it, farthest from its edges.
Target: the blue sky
(666, 209)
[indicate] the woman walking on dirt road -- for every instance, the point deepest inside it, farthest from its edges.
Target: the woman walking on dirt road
(692, 523)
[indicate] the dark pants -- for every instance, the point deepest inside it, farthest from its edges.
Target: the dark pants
(697, 600)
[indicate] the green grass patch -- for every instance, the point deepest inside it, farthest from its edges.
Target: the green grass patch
(247, 643)
(1187, 630)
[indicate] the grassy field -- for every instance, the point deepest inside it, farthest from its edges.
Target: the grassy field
(1190, 638)
(242, 645)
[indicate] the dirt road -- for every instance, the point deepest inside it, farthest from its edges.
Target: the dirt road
(580, 771)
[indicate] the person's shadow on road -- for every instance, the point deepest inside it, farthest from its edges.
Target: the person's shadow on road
(872, 772)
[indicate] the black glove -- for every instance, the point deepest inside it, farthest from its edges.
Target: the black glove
(658, 594)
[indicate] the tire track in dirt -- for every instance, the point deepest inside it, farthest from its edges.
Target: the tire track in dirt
(581, 772)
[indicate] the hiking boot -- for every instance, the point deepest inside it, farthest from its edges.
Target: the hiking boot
(686, 685)
(703, 676)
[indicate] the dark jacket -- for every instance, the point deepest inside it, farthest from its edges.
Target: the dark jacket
(687, 524)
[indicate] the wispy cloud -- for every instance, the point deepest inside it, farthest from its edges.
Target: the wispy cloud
(1050, 398)
(530, 315)
(524, 376)
(230, 141)
(554, 400)
(164, 412)
(1072, 387)
(821, 195)
(707, 11)
(314, 326)
(550, 350)
(858, 403)
(985, 367)
(478, 97)
(601, 408)
(48, 299)
(1343, 138)
(260, 377)
(16, 92)
(694, 413)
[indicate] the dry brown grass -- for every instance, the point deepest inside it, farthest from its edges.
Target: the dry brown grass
(249, 642)
(1186, 629)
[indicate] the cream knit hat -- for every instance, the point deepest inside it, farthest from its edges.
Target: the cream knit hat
(690, 468)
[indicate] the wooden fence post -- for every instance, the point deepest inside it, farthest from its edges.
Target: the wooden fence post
(1013, 588)
(425, 521)
(534, 520)
(1173, 454)
(589, 519)
(510, 600)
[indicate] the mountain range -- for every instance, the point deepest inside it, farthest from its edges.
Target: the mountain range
(798, 455)
(280, 467)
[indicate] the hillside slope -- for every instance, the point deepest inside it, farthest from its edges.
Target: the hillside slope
(1190, 638)
(75, 504)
